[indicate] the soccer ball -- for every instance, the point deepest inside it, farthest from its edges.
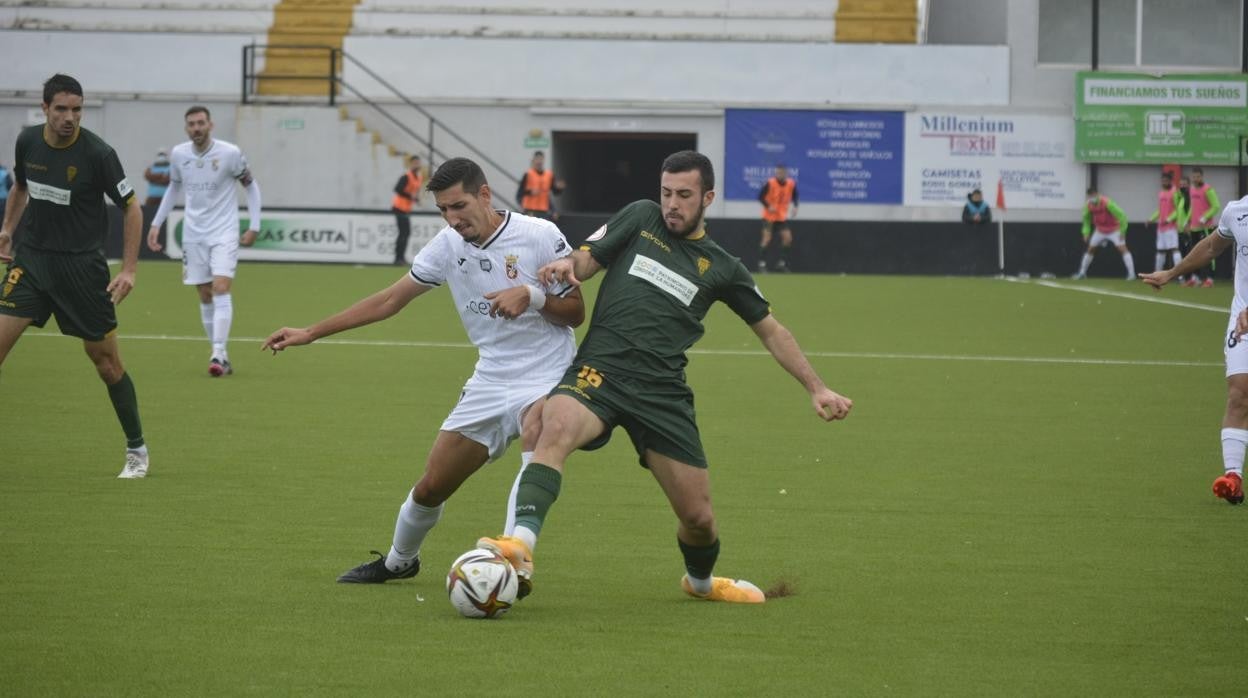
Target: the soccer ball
(482, 584)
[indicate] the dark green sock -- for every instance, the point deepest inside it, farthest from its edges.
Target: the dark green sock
(699, 559)
(539, 488)
(126, 405)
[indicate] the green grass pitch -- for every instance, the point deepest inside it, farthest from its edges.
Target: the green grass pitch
(1018, 505)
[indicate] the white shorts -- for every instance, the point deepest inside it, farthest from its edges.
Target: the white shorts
(1168, 239)
(203, 260)
(490, 413)
(1236, 350)
(1098, 237)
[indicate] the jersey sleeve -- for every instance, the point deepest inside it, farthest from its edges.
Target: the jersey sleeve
(742, 295)
(240, 170)
(429, 266)
(114, 177)
(175, 172)
(19, 160)
(1224, 224)
(612, 238)
(550, 248)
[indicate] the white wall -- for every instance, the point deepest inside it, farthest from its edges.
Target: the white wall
(697, 72)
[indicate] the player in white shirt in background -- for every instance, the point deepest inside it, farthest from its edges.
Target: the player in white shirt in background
(206, 168)
(1232, 232)
(522, 331)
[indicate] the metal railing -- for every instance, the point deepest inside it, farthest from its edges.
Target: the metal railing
(336, 88)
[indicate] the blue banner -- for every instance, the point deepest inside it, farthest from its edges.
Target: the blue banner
(840, 157)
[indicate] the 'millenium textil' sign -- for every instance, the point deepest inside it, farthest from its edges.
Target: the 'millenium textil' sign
(1189, 118)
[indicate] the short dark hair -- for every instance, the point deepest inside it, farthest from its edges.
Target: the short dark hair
(1198, 169)
(1167, 175)
(688, 161)
(195, 109)
(457, 171)
(60, 83)
(538, 153)
(1091, 190)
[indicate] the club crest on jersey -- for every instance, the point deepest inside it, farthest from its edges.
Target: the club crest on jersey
(486, 265)
(703, 265)
(9, 283)
(71, 172)
(215, 163)
(512, 271)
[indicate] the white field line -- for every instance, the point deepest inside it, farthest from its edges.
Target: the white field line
(1129, 296)
(709, 352)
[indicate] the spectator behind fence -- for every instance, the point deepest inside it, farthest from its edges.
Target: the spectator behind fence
(406, 194)
(157, 176)
(1203, 207)
(537, 186)
(779, 199)
(976, 209)
(1104, 221)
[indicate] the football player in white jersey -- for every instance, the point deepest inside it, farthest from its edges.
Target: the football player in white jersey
(206, 168)
(522, 331)
(1232, 233)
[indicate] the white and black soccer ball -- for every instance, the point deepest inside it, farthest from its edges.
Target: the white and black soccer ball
(482, 584)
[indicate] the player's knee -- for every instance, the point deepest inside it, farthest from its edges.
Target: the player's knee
(428, 493)
(1237, 400)
(699, 521)
(220, 286)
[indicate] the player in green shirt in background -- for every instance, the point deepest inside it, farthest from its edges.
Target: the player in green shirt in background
(663, 274)
(56, 214)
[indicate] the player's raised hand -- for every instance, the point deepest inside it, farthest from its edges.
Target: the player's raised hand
(287, 337)
(153, 239)
(830, 405)
(120, 286)
(561, 270)
(1156, 279)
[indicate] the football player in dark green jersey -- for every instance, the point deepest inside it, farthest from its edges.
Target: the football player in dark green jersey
(663, 274)
(56, 214)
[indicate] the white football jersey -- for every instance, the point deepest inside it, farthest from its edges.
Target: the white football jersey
(1233, 225)
(209, 182)
(529, 347)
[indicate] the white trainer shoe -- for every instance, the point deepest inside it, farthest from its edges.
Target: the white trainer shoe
(136, 466)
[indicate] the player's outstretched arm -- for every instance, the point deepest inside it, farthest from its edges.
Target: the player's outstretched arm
(132, 232)
(573, 269)
(14, 206)
(1201, 255)
(828, 404)
(374, 308)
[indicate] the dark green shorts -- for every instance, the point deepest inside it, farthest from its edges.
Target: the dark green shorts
(73, 287)
(657, 415)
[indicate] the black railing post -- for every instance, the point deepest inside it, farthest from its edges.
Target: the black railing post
(246, 52)
(333, 74)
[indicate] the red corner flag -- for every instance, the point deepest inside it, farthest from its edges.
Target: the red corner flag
(1000, 195)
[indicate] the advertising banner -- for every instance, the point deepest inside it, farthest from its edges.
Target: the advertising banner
(315, 236)
(834, 156)
(1152, 119)
(948, 154)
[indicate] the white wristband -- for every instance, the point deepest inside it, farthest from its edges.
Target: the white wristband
(537, 298)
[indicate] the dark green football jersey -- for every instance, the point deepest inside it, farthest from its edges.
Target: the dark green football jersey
(656, 291)
(67, 187)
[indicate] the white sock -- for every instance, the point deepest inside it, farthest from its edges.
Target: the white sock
(141, 450)
(410, 529)
(700, 586)
(527, 535)
(1175, 257)
(222, 316)
(1129, 260)
(1085, 263)
(205, 316)
(1158, 260)
(509, 526)
(1234, 442)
